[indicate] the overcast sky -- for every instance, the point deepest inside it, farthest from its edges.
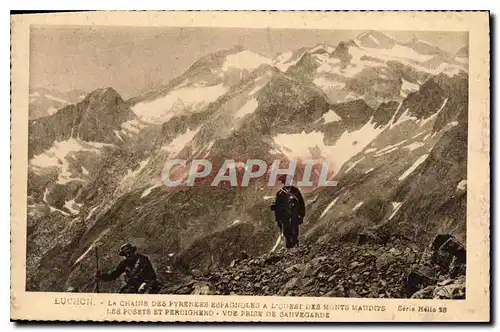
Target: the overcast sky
(135, 60)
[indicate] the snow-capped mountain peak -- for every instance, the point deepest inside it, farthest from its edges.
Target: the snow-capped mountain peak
(203, 83)
(322, 48)
(424, 47)
(244, 60)
(375, 39)
(287, 59)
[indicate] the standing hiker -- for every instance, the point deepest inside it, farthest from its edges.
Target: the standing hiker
(289, 210)
(140, 276)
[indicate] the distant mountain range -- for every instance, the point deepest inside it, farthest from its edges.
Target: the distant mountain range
(44, 102)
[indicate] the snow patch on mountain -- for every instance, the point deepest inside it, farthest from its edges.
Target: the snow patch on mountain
(328, 64)
(207, 148)
(72, 206)
(325, 84)
(357, 66)
(59, 155)
(132, 126)
(447, 69)
(432, 117)
(331, 116)
(332, 203)
(91, 212)
(370, 170)
(351, 143)
(462, 185)
(369, 58)
(300, 146)
(53, 209)
(131, 173)
(178, 101)
(352, 165)
(51, 110)
(357, 206)
(284, 61)
(418, 134)
(403, 118)
(118, 135)
(51, 97)
(414, 146)
(442, 105)
(92, 246)
(395, 208)
(374, 39)
(283, 57)
(178, 143)
(389, 148)
(261, 82)
(413, 167)
(312, 200)
(327, 48)
(409, 87)
(370, 150)
(244, 60)
(46, 193)
(148, 191)
(256, 89)
(398, 52)
(421, 41)
(371, 55)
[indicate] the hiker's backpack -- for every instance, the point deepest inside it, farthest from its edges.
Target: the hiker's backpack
(290, 204)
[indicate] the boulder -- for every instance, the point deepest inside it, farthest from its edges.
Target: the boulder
(384, 260)
(443, 260)
(201, 289)
(272, 259)
(451, 290)
(294, 268)
(424, 293)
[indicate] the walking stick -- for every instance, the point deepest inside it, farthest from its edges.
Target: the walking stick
(96, 287)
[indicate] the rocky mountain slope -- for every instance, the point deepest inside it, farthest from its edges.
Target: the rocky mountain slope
(391, 123)
(397, 268)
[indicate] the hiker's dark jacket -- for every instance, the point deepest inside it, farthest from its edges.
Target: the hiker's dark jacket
(281, 201)
(137, 270)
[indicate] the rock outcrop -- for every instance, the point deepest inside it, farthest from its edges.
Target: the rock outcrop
(441, 272)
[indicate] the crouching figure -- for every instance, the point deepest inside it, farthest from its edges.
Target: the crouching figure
(140, 275)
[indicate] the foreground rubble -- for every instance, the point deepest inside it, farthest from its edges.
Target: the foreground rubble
(395, 270)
